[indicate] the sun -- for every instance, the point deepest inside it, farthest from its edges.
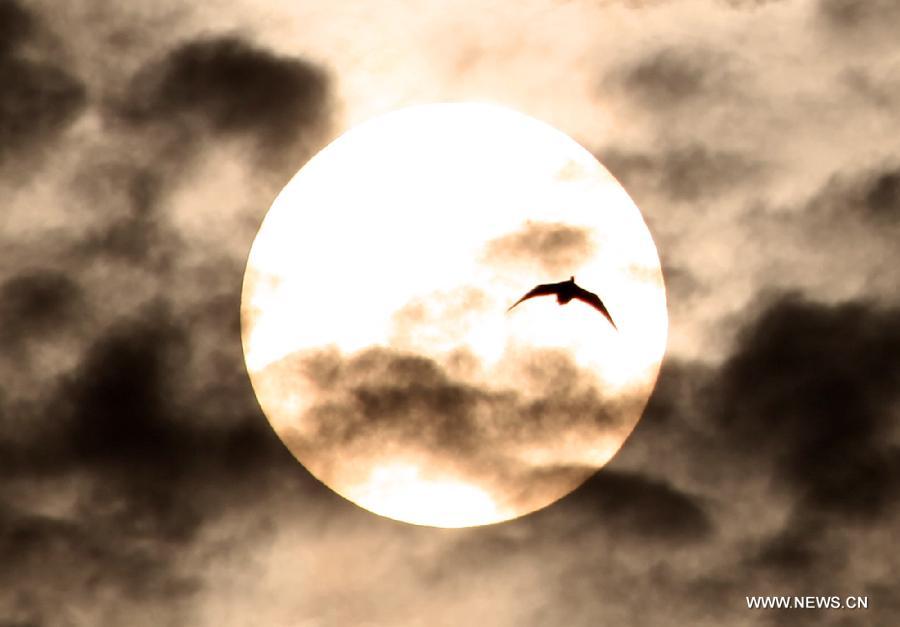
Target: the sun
(375, 327)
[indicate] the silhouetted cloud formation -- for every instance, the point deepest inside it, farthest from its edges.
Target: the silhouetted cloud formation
(859, 14)
(146, 464)
(883, 195)
(553, 248)
(669, 77)
(871, 196)
(228, 86)
(125, 407)
(685, 174)
(383, 400)
(16, 25)
(39, 97)
(646, 509)
(813, 389)
(37, 304)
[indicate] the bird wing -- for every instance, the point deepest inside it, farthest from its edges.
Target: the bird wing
(594, 301)
(544, 289)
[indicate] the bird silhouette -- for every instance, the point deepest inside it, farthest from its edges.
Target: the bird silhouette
(566, 291)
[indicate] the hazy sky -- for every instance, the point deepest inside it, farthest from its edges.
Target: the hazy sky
(140, 148)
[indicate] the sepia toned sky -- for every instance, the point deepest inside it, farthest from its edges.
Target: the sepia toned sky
(140, 148)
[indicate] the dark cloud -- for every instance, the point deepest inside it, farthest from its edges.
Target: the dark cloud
(229, 87)
(120, 413)
(151, 466)
(132, 228)
(801, 547)
(39, 551)
(870, 196)
(860, 29)
(685, 174)
(127, 424)
(38, 304)
(382, 400)
(859, 15)
(16, 25)
(672, 76)
(40, 98)
(882, 197)
(813, 388)
(118, 400)
(553, 248)
(632, 504)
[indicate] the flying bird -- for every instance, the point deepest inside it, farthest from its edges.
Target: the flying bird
(566, 291)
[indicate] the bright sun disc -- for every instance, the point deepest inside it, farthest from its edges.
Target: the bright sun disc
(375, 323)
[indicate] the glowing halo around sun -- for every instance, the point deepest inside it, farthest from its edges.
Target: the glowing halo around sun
(375, 324)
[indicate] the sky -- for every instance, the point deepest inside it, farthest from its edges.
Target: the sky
(140, 147)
